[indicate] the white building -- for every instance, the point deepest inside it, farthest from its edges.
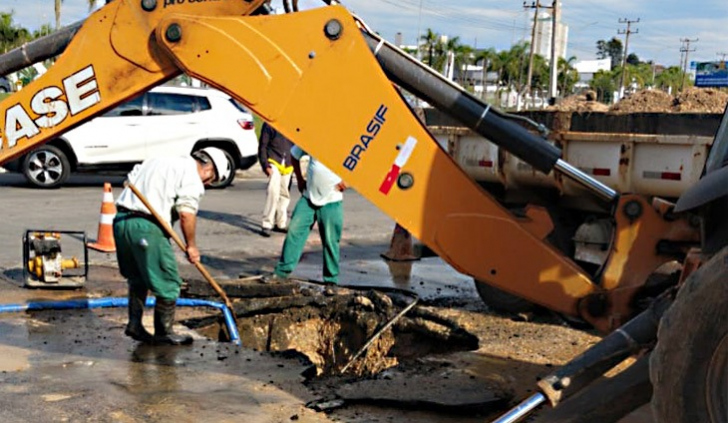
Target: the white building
(587, 69)
(543, 36)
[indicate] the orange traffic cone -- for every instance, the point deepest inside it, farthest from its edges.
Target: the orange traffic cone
(400, 248)
(105, 241)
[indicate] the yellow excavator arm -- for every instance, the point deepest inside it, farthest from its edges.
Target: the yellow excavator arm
(312, 75)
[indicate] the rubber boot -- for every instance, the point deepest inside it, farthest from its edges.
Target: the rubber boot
(163, 321)
(134, 328)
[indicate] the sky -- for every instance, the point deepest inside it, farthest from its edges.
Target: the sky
(498, 23)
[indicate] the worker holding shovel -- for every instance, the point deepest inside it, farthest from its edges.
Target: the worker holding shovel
(172, 188)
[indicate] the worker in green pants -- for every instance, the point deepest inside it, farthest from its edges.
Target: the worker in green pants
(173, 186)
(321, 202)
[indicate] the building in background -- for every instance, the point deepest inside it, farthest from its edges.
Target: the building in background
(587, 69)
(543, 36)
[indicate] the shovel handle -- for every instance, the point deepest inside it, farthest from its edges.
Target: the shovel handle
(168, 229)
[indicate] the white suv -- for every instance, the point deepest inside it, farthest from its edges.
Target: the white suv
(163, 121)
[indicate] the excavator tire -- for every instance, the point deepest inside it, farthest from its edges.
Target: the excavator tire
(689, 365)
(502, 301)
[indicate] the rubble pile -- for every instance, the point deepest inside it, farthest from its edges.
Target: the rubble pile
(701, 100)
(692, 100)
(650, 101)
(581, 103)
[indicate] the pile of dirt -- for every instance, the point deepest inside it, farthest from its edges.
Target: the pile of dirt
(580, 103)
(692, 100)
(701, 100)
(653, 101)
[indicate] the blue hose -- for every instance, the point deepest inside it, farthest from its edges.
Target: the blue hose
(123, 302)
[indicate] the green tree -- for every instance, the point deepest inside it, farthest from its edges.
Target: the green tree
(605, 84)
(612, 49)
(463, 57)
(540, 74)
(633, 59)
(514, 66)
(11, 36)
(567, 75)
(429, 46)
(488, 59)
(670, 79)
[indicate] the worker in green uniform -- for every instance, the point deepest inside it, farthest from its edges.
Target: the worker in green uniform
(321, 202)
(173, 186)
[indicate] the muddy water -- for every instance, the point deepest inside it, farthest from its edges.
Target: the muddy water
(77, 365)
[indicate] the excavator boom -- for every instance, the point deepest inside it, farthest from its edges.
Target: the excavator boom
(312, 75)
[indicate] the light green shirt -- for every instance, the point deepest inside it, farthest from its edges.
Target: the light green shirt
(320, 181)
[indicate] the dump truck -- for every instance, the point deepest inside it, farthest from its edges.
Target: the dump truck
(330, 83)
(652, 154)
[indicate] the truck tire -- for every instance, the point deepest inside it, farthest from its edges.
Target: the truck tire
(502, 301)
(46, 167)
(689, 366)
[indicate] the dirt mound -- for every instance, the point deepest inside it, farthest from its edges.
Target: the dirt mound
(701, 100)
(653, 101)
(581, 103)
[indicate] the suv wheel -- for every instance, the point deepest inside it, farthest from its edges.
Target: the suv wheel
(229, 180)
(46, 167)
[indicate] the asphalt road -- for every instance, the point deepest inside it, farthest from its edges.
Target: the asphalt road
(228, 225)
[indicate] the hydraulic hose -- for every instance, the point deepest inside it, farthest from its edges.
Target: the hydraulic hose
(473, 113)
(123, 302)
(38, 50)
(492, 124)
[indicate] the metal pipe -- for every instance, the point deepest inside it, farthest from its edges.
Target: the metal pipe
(633, 336)
(522, 409)
(379, 333)
(123, 302)
(582, 178)
(38, 50)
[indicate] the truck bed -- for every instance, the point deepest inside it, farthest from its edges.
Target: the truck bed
(655, 154)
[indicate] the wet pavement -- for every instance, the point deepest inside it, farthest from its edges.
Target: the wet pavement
(78, 366)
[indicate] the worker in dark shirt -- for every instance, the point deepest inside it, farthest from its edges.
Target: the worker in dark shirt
(274, 154)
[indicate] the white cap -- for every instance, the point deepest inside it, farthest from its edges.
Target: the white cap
(220, 162)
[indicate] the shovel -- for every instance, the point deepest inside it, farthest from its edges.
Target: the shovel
(168, 229)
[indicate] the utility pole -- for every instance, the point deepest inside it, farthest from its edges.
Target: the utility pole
(685, 48)
(627, 32)
(554, 69)
(535, 5)
(537, 8)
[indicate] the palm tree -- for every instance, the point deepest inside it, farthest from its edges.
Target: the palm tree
(605, 83)
(91, 6)
(429, 44)
(567, 75)
(514, 65)
(488, 58)
(670, 79)
(452, 46)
